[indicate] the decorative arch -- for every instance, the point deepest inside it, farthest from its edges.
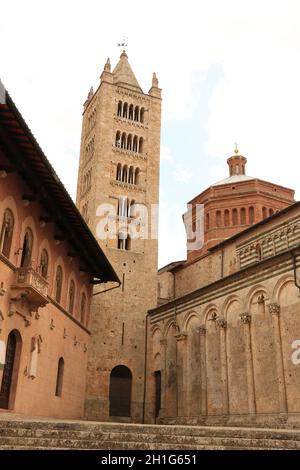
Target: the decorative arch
(228, 301)
(188, 318)
(280, 284)
(254, 291)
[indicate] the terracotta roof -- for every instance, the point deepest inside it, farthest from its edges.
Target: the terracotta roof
(25, 156)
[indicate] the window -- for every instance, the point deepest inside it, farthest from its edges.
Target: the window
(118, 139)
(119, 172)
(131, 177)
(120, 108)
(271, 212)
(226, 218)
(27, 248)
(251, 215)
(125, 174)
(128, 243)
(82, 307)
(60, 377)
(6, 232)
(123, 141)
(71, 296)
(243, 216)
(218, 218)
(129, 142)
(44, 263)
(136, 113)
(131, 209)
(137, 176)
(234, 217)
(125, 110)
(131, 112)
(135, 144)
(58, 283)
(142, 115)
(141, 144)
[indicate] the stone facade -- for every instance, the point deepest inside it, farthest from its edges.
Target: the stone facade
(119, 165)
(227, 346)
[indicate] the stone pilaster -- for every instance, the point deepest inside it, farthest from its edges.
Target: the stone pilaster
(202, 334)
(222, 324)
(182, 379)
(246, 321)
(163, 350)
(274, 310)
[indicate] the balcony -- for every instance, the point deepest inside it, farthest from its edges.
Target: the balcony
(30, 285)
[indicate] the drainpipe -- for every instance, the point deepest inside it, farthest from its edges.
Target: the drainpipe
(106, 290)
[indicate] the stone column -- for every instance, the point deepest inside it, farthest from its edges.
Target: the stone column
(274, 310)
(202, 333)
(163, 349)
(222, 324)
(246, 320)
(182, 379)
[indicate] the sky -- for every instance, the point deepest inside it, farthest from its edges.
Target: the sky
(229, 70)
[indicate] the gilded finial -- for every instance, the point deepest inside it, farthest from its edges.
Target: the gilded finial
(236, 150)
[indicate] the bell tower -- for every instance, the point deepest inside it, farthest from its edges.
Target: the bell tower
(119, 168)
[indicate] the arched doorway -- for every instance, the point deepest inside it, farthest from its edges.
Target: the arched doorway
(120, 391)
(11, 369)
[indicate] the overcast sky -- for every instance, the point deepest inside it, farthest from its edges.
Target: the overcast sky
(230, 71)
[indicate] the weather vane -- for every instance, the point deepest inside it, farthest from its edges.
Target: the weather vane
(123, 43)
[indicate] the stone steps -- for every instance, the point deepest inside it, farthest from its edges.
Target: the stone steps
(54, 434)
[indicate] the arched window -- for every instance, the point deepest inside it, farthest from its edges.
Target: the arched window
(44, 263)
(128, 243)
(243, 169)
(27, 248)
(59, 377)
(6, 232)
(141, 145)
(123, 141)
(251, 215)
(82, 308)
(131, 112)
(119, 172)
(125, 110)
(131, 209)
(71, 296)
(120, 108)
(58, 283)
(125, 174)
(131, 175)
(218, 218)
(135, 144)
(121, 241)
(129, 142)
(234, 217)
(142, 115)
(207, 221)
(264, 212)
(137, 176)
(226, 218)
(243, 216)
(271, 212)
(231, 170)
(118, 139)
(136, 113)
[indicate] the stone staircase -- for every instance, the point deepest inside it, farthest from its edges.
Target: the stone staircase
(39, 433)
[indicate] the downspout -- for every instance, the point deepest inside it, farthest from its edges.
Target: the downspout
(106, 290)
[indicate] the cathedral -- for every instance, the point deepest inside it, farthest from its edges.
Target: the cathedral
(212, 339)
